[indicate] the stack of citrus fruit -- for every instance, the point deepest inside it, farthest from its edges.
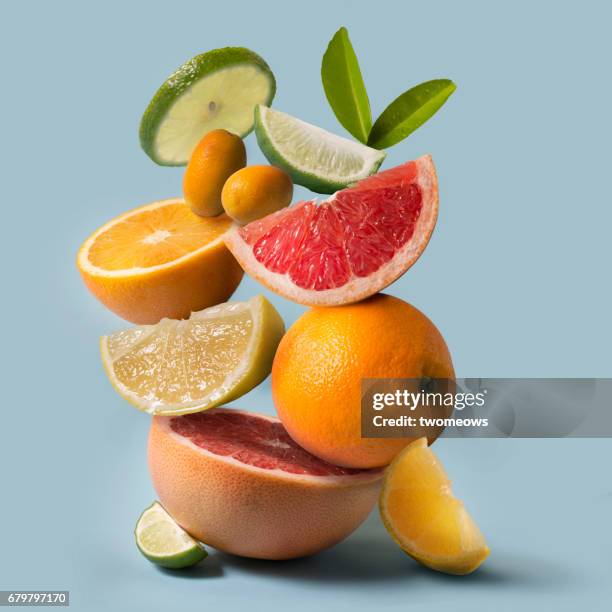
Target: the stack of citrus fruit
(336, 255)
(245, 483)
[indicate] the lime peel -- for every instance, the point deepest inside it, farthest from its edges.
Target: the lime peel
(163, 542)
(313, 157)
(217, 89)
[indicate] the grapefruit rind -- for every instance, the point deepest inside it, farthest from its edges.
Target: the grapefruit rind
(255, 365)
(276, 474)
(474, 549)
(250, 511)
(357, 288)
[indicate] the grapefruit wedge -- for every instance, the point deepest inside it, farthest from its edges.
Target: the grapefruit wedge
(237, 481)
(347, 247)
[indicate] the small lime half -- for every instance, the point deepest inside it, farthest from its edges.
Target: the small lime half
(215, 90)
(163, 542)
(313, 157)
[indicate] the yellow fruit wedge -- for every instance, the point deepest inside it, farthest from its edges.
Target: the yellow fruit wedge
(179, 367)
(423, 516)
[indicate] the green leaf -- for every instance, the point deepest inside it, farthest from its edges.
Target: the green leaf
(409, 111)
(344, 87)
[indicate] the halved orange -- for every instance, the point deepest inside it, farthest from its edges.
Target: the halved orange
(159, 260)
(423, 516)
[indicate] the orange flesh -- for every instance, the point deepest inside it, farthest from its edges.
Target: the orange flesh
(155, 237)
(424, 516)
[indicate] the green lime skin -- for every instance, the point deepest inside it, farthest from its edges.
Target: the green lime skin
(179, 561)
(185, 77)
(315, 183)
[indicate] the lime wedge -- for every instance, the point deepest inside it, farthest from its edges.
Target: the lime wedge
(313, 157)
(179, 367)
(163, 542)
(214, 90)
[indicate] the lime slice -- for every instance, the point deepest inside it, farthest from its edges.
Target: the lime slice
(214, 90)
(163, 542)
(178, 367)
(313, 157)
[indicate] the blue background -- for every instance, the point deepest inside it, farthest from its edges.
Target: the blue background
(516, 277)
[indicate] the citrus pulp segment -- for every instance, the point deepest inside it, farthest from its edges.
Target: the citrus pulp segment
(214, 90)
(163, 542)
(159, 260)
(179, 367)
(423, 516)
(237, 481)
(313, 157)
(348, 247)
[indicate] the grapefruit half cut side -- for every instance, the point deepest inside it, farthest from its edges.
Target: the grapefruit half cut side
(347, 247)
(237, 481)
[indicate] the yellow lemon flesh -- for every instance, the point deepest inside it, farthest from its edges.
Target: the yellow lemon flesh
(179, 367)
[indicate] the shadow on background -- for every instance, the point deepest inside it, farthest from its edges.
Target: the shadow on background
(370, 555)
(508, 569)
(211, 567)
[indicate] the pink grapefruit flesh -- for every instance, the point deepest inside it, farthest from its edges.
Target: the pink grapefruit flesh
(237, 481)
(348, 247)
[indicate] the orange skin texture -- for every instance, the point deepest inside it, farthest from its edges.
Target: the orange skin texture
(319, 364)
(216, 157)
(206, 279)
(256, 191)
(252, 512)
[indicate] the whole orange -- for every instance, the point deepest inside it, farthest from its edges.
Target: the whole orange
(256, 191)
(216, 157)
(319, 364)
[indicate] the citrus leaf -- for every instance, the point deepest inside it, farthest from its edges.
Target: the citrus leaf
(344, 86)
(409, 111)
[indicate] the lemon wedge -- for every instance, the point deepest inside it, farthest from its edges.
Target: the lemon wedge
(178, 367)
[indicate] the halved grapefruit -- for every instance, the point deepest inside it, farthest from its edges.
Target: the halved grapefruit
(237, 481)
(347, 247)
